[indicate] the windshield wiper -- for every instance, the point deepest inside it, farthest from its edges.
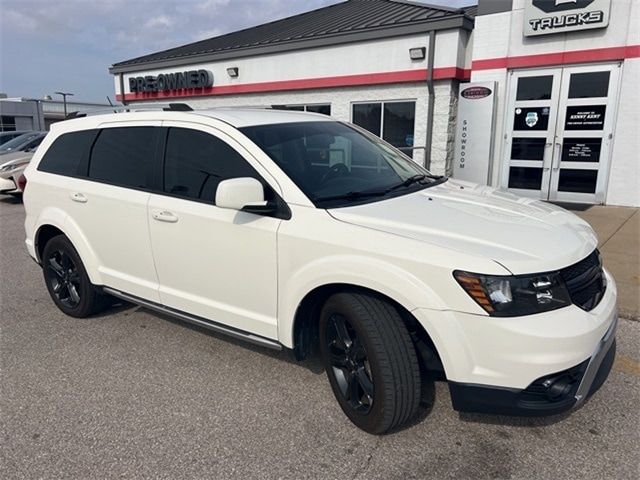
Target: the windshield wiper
(353, 195)
(413, 179)
(358, 194)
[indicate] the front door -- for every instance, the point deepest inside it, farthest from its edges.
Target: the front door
(212, 262)
(559, 132)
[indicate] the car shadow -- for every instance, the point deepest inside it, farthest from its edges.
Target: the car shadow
(512, 421)
(313, 363)
(11, 199)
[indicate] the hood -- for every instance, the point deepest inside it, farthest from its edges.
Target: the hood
(14, 157)
(523, 235)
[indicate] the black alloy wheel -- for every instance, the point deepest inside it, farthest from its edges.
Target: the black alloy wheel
(67, 280)
(63, 278)
(370, 360)
(351, 367)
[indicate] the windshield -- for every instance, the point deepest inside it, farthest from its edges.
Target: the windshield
(23, 141)
(7, 136)
(335, 164)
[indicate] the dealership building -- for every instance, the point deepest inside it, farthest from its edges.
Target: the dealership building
(539, 97)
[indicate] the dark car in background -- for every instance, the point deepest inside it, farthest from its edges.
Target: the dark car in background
(25, 142)
(6, 136)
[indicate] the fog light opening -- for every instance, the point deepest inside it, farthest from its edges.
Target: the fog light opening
(559, 389)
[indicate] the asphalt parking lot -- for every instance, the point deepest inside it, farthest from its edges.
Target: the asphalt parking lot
(131, 394)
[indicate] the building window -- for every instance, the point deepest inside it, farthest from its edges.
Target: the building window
(324, 108)
(7, 124)
(394, 122)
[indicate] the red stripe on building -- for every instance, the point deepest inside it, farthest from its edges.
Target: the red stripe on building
(561, 58)
(405, 76)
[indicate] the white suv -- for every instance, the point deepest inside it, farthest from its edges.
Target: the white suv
(295, 231)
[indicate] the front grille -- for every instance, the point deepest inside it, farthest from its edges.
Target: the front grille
(585, 281)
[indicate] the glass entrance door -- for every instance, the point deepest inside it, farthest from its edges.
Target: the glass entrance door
(560, 133)
(532, 116)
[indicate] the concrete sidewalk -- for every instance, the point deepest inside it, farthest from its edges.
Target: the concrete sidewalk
(618, 230)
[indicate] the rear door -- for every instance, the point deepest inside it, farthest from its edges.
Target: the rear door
(212, 262)
(109, 206)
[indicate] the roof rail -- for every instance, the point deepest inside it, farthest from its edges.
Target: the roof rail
(165, 107)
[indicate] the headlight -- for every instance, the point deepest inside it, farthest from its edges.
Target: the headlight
(512, 296)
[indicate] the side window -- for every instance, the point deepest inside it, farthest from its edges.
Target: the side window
(196, 162)
(65, 154)
(124, 156)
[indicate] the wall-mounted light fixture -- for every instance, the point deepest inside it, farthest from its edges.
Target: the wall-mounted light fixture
(233, 72)
(417, 53)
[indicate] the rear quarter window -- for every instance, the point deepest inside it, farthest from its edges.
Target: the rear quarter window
(66, 152)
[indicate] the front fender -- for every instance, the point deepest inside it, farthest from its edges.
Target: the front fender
(377, 275)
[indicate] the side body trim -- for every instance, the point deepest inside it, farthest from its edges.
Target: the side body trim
(202, 322)
(595, 362)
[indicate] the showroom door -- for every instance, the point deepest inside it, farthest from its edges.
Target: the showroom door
(561, 132)
(533, 100)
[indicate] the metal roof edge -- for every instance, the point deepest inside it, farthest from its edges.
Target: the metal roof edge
(461, 21)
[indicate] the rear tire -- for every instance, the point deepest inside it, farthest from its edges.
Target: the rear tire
(370, 361)
(67, 280)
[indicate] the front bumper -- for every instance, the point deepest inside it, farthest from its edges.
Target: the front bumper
(548, 395)
(513, 352)
(7, 185)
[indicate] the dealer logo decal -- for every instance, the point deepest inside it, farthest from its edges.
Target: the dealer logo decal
(553, 6)
(531, 119)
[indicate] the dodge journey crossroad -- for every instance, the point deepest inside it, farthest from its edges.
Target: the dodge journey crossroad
(296, 231)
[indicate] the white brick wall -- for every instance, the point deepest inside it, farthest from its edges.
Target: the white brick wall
(624, 173)
(444, 128)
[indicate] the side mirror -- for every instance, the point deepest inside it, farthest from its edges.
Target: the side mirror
(240, 194)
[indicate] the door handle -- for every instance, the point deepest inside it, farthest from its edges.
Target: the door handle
(165, 216)
(545, 165)
(556, 158)
(78, 197)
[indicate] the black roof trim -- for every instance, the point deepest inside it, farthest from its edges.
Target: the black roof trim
(332, 25)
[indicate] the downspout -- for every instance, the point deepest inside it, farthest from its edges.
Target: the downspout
(431, 100)
(122, 98)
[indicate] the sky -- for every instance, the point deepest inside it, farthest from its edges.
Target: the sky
(68, 45)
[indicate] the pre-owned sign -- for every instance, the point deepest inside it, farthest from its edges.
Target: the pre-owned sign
(542, 17)
(163, 82)
(476, 104)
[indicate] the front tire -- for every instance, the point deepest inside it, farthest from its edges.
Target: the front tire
(370, 361)
(67, 280)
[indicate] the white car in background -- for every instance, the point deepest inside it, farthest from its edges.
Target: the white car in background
(11, 167)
